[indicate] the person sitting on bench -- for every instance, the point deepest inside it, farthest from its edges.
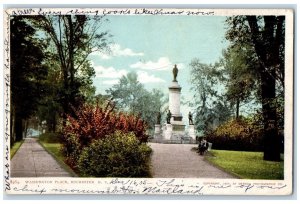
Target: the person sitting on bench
(203, 146)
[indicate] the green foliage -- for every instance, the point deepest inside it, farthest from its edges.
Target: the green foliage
(50, 137)
(240, 66)
(265, 35)
(71, 149)
(242, 134)
(28, 73)
(210, 105)
(247, 165)
(131, 96)
(93, 123)
(72, 39)
(117, 155)
(54, 148)
(279, 103)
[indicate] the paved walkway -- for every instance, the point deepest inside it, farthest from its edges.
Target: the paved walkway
(178, 161)
(32, 160)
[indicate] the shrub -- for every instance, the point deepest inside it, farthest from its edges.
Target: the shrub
(50, 137)
(242, 135)
(71, 149)
(118, 155)
(93, 123)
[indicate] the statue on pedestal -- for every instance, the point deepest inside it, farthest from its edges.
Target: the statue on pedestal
(158, 119)
(169, 115)
(175, 72)
(191, 119)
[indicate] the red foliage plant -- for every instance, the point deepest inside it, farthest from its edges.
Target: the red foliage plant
(94, 122)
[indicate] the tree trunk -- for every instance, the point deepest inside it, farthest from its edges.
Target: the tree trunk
(237, 114)
(54, 124)
(18, 128)
(71, 50)
(25, 128)
(267, 51)
(271, 137)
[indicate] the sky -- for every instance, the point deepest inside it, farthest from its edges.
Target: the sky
(152, 45)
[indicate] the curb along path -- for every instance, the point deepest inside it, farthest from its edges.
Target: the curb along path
(178, 161)
(32, 160)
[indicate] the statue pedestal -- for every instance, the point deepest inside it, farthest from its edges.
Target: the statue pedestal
(168, 132)
(192, 132)
(157, 131)
(178, 127)
(174, 100)
(175, 131)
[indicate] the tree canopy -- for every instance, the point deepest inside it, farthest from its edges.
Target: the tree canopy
(51, 72)
(131, 96)
(210, 105)
(28, 72)
(265, 36)
(73, 38)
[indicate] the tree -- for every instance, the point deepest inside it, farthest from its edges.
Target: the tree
(240, 69)
(266, 35)
(131, 96)
(73, 38)
(28, 72)
(211, 106)
(49, 109)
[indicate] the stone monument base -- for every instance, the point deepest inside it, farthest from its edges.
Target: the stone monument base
(167, 134)
(157, 131)
(180, 128)
(174, 134)
(192, 132)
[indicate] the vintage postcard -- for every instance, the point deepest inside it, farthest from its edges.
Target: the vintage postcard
(154, 101)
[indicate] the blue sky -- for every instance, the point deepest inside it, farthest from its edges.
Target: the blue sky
(151, 45)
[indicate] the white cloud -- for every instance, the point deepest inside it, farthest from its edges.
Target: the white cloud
(109, 72)
(144, 78)
(162, 63)
(111, 75)
(117, 50)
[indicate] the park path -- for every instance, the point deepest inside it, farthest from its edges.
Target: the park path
(32, 160)
(178, 161)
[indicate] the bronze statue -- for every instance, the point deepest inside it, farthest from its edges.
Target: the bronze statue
(191, 118)
(169, 115)
(175, 72)
(158, 118)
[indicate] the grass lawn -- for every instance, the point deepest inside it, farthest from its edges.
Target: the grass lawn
(246, 165)
(15, 148)
(54, 149)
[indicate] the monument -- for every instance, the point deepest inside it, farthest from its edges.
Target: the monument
(173, 130)
(177, 125)
(191, 131)
(157, 129)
